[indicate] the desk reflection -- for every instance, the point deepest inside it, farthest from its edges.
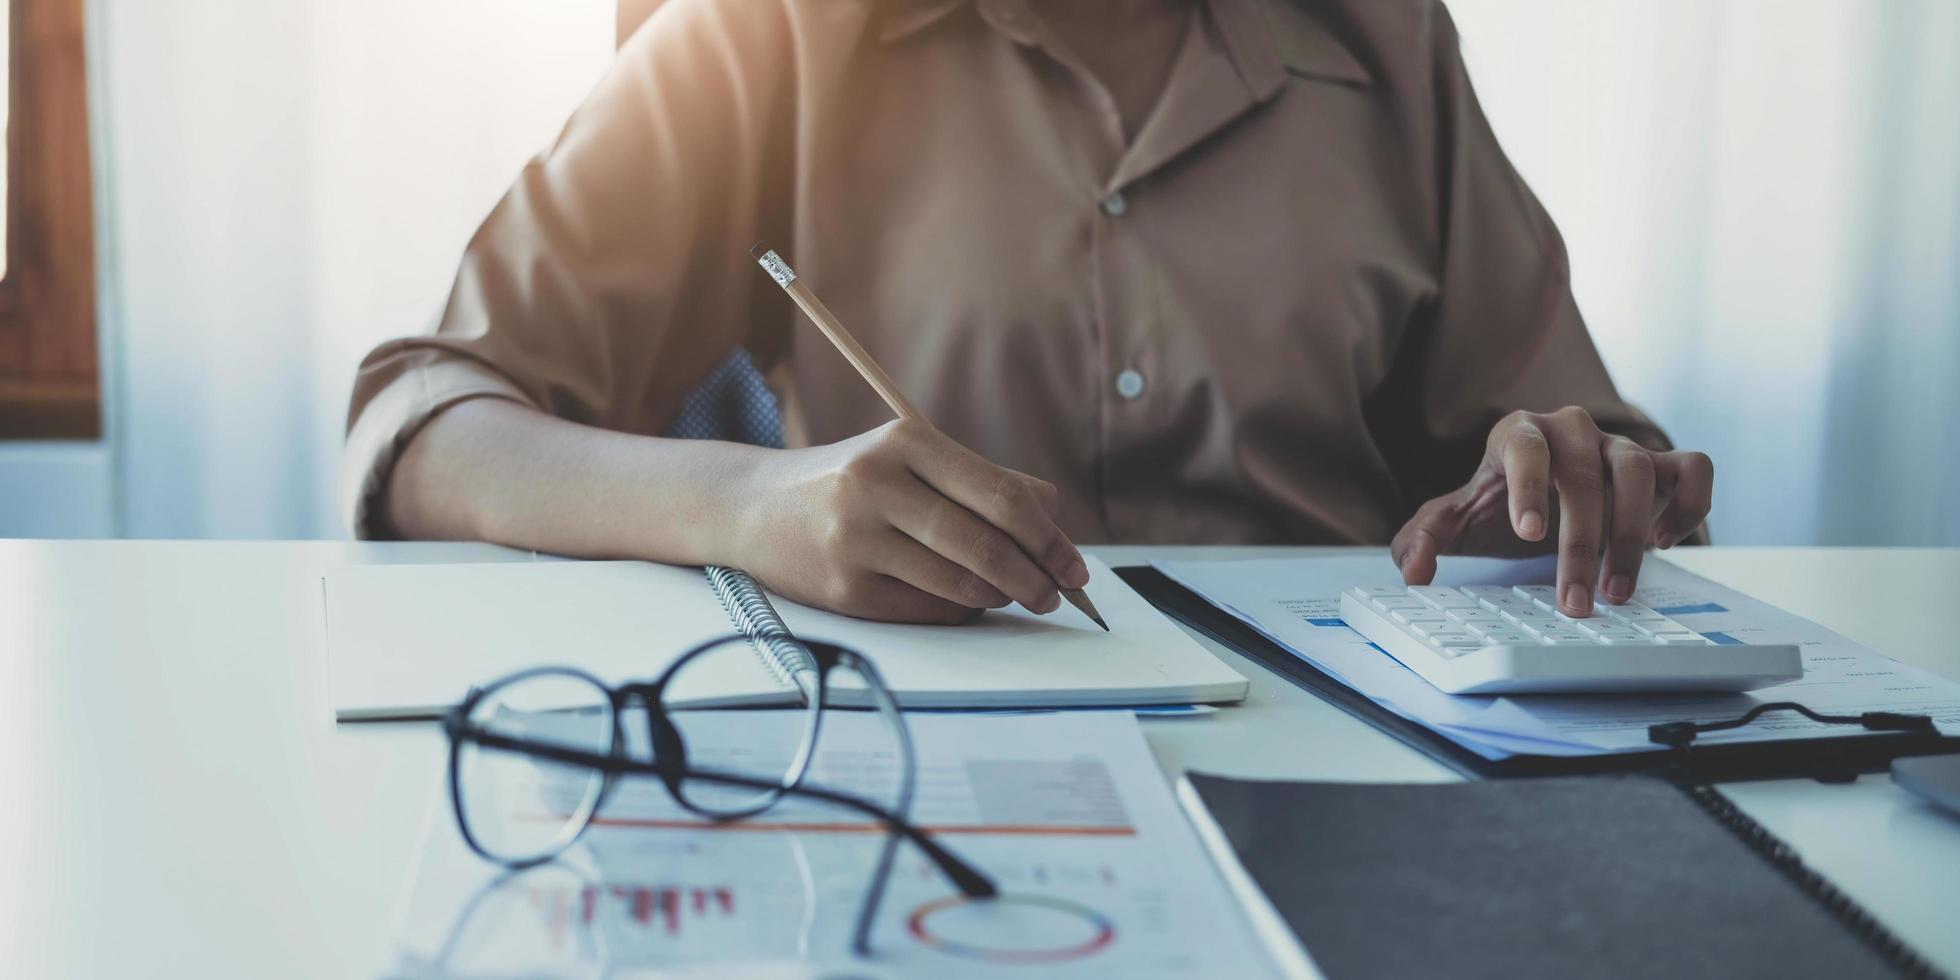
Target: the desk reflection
(632, 905)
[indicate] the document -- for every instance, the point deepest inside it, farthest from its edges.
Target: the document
(1296, 603)
(1100, 874)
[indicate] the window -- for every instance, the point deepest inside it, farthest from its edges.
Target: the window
(6, 9)
(49, 379)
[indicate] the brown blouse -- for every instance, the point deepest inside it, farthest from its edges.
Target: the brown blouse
(1287, 311)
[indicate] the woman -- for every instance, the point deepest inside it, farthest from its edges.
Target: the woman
(1159, 270)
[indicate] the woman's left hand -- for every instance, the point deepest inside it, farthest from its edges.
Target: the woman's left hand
(1614, 496)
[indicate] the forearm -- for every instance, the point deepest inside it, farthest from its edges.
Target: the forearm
(493, 470)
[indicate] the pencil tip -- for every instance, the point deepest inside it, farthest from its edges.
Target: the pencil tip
(1080, 600)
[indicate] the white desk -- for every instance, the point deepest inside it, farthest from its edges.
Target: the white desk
(175, 798)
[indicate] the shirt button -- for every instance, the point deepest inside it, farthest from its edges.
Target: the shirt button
(1115, 204)
(1129, 384)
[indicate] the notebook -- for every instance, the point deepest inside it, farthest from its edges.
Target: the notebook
(406, 641)
(1616, 876)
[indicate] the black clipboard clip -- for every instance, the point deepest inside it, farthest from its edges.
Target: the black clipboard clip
(1679, 735)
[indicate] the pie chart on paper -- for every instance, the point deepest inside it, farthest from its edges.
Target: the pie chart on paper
(1016, 929)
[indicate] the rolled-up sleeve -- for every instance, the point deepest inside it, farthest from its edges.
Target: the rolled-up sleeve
(1504, 332)
(611, 276)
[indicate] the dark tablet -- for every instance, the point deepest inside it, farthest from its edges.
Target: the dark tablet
(1935, 777)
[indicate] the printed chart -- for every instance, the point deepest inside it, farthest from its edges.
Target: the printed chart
(1097, 873)
(1014, 929)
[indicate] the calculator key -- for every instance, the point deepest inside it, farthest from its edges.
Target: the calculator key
(1572, 640)
(1551, 630)
(1541, 594)
(1435, 626)
(1510, 638)
(1622, 634)
(1631, 612)
(1455, 639)
(1442, 597)
(1383, 591)
(1475, 616)
(1658, 626)
(1486, 591)
(1683, 639)
(1505, 603)
(1594, 627)
(1399, 602)
(1414, 616)
(1523, 616)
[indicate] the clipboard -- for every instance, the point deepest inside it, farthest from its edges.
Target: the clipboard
(1837, 759)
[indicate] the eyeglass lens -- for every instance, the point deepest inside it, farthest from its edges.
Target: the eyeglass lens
(774, 747)
(519, 807)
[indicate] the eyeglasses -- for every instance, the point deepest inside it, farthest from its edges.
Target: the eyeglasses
(534, 755)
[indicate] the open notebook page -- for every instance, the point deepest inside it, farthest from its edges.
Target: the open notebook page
(1013, 658)
(408, 640)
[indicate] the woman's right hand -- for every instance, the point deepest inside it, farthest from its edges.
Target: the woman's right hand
(902, 523)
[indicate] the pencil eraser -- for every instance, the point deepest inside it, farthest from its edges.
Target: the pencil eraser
(774, 265)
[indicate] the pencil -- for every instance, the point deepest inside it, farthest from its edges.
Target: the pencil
(873, 375)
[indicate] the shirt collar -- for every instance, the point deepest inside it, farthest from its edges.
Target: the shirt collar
(1269, 39)
(1266, 38)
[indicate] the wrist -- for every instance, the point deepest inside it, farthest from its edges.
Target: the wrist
(712, 520)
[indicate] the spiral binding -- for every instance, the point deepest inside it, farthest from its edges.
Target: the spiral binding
(1784, 859)
(749, 609)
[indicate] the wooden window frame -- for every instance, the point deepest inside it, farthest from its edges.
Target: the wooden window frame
(50, 378)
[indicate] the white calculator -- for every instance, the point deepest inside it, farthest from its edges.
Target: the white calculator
(1498, 639)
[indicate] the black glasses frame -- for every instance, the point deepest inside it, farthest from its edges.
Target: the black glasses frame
(669, 765)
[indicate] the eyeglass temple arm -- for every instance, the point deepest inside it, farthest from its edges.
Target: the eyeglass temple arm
(970, 881)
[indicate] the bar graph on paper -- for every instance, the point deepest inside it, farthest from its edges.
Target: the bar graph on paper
(662, 909)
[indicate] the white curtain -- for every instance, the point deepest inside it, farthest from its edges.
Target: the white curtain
(1759, 196)
(285, 185)
(1762, 203)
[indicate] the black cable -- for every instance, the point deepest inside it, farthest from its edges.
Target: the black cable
(1677, 734)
